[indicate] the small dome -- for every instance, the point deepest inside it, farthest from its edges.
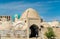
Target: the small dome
(20, 25)
(16, 15)
(30, 13)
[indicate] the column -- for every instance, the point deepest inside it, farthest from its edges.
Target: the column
(28, 32)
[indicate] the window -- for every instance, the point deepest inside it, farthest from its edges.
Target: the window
(25, 21)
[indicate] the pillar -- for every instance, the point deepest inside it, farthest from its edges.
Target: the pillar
(27, 33)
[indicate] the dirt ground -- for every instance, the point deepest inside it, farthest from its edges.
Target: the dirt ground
(16, 38)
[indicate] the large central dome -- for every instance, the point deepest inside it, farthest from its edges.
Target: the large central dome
(30, 13)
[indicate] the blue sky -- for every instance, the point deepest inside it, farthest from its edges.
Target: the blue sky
(47, 9)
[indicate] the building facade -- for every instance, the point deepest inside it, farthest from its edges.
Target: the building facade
(29, 26)
(8, 18)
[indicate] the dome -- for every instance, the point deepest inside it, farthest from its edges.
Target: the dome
(16, 16)
(30, 13)
(20, 25)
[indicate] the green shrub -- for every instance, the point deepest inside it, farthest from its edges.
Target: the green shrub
(50, 33)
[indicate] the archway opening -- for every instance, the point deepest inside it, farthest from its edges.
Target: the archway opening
(33, 31)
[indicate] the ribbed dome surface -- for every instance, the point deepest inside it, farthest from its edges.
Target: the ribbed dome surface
(30, 13)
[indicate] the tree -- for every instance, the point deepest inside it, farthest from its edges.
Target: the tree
(50, 33)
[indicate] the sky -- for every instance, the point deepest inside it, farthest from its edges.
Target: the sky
(48, 10)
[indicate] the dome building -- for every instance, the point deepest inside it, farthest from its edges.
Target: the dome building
(32, 21)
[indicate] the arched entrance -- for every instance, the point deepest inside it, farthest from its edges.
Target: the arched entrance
(33, 31)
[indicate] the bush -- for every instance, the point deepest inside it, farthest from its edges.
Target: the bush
(50, 33)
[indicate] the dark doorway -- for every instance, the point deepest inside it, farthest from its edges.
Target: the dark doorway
(34, 31)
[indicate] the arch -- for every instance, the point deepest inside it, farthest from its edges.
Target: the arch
(33, 31)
